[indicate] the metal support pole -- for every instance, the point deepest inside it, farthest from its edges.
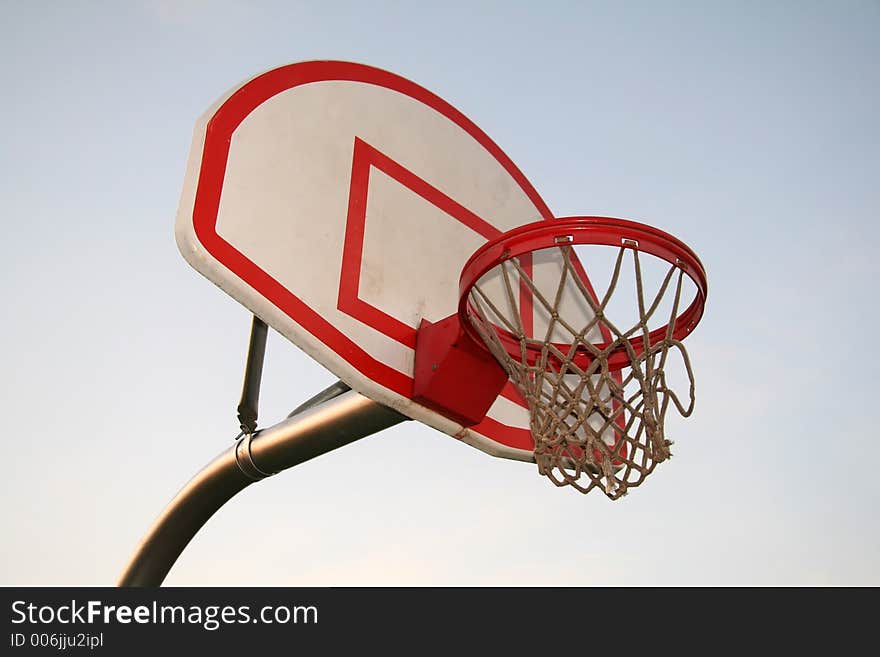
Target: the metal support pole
(253, 374)
(318, 429)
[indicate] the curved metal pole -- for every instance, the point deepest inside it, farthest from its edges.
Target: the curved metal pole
(329, 424)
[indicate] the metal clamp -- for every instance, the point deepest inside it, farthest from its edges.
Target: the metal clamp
(245, 460)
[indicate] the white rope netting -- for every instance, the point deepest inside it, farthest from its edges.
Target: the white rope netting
(594, 425)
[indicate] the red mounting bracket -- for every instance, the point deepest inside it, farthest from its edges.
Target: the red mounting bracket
(454, 375)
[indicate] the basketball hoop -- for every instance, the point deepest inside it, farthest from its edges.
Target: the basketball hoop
(344, 231)
(597, 407)
(597, 392)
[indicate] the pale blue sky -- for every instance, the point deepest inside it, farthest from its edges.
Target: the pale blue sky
(749, 129)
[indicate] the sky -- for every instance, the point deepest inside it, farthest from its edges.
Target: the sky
(747, 129)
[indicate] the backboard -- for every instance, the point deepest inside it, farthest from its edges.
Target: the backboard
(339, 202)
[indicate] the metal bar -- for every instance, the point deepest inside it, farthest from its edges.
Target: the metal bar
(253, 374)
(335, 422)
(328, 393)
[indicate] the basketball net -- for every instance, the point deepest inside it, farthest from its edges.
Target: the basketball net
(595, 423)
